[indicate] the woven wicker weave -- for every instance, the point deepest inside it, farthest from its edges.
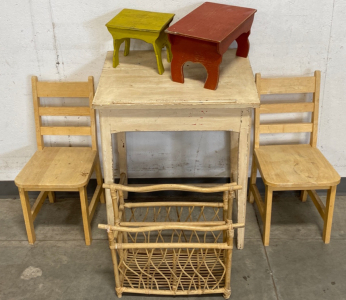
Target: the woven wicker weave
(172, 248)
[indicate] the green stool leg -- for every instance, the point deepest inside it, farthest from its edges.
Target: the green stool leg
(169, 51)
(117, 44)
(165, 42)
(157, 48)
(159, 43)
(127, 47)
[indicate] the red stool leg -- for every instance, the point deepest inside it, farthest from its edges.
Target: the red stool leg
(213, 73)
(243, 44)
(177, 65)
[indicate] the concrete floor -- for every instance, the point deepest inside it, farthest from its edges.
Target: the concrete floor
(296, 265)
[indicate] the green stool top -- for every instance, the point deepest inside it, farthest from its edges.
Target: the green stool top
(140, 20)
(144, 25)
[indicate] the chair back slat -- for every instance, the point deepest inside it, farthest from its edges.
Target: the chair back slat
(277, 108)
(286, 85)
(285, 128)
(294, 85)
(63, 89)
(64, 111)
(64, 130)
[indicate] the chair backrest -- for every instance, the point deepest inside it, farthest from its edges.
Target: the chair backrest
(61, 90)
(288, 85)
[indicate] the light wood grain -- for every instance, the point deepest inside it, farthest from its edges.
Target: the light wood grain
(107, 156)
(178, 293)
(258, 199)
(133, 98)
(303, 196)
(234, 154)
(243, 167)
(314, 115)
(61, 168)
(63, 89)
(85, 214)
(92, 114)
(141, 87)
(64, 111)
(28, 219)
(174, 187)
(173, 203)
(174, 120)
(297, 166)
(267, 214)
(51, 196)
(38, 204)
(257, 121)
(168, 226)
(58, 167)
(199, 223)
(291, 167)
(38, 121)
(122, 158)
(45, 130)
(318, 203)
(94, 200)
(282, 128)
(180, 248)
(288, 85)
(275, 108)
(328, 217)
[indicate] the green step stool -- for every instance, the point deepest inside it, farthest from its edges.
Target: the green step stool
(144, 25)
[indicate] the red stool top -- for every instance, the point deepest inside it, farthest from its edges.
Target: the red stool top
(211, 22)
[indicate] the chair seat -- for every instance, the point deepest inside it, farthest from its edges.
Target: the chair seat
(295, 166)
(57, 168)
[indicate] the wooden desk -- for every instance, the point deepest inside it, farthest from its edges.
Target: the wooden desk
(133, 97)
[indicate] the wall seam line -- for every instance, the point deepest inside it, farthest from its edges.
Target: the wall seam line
(326, 73)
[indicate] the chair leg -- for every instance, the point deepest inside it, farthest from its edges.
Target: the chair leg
(267, 215)
(303, 196)
(29, 223)
(251, 198)
(85, 214)
(328, 216)
(51, 197)
(99, 179)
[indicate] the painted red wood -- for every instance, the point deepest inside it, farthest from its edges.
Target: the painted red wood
(205, 34)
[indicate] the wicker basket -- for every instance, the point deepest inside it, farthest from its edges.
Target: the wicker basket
(172, 248)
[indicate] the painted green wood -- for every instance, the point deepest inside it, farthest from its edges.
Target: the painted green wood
(144, 25)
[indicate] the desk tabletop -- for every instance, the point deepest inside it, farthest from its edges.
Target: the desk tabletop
(140, 20)
(211, 22)
(135, 84)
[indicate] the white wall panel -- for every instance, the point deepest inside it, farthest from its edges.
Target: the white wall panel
(67, 40)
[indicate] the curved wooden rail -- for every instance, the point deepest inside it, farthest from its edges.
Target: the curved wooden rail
(167, 226)
(173, 187)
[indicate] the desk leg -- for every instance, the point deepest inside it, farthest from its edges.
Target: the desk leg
(234, 137)
(107, 156)
(122, 156)
(243, 165)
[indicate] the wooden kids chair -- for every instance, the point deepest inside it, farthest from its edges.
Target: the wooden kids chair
(61, 168)
(291, 167)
